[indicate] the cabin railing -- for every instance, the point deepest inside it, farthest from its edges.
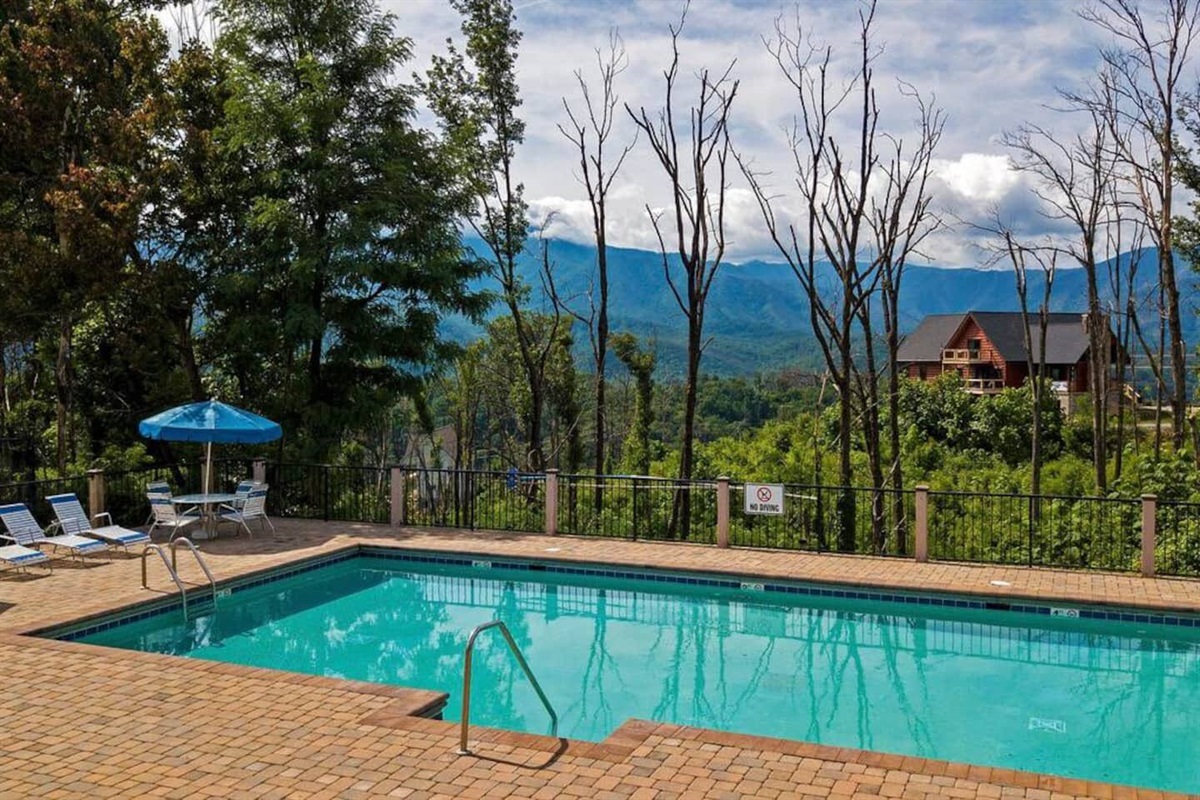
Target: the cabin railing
(962, 356)
(985, 385)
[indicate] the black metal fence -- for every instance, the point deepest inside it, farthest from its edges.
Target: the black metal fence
(124, 490)
(828, 518)
(628, 507)
(473, 499)
(1098, 533)
(1177, 545)
(324, 491)
(34, 493)
(1036, 530)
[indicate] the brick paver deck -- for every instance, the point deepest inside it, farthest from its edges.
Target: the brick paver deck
(83, 721)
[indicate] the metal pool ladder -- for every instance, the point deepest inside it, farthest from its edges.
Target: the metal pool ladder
(173, 571)
(466, 696)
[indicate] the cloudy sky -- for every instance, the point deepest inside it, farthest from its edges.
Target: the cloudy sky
(991, 64)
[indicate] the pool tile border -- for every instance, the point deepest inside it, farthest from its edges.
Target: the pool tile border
(937, 599)
(82, 629)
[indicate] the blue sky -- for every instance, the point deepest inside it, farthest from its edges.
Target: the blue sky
(991, 64)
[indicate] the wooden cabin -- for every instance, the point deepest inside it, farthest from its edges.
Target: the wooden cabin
(987, 349)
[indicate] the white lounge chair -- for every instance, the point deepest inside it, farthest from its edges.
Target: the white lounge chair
(73, 519)
(24, 530)
(20, 557)
(166, 515)
(255, 508)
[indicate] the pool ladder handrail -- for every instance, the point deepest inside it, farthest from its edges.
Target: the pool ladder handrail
(466, 697)
(173, 571)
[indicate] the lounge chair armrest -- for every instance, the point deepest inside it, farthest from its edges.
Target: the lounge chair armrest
(226, 507)
(103, 514)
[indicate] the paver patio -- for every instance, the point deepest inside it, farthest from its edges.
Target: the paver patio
(83, 721)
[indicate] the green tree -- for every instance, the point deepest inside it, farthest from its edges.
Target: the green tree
(1003, 424)
(940, 410)
(475, 96)
(81, 96)
(506, 397)
(640, 361)
(345, 251)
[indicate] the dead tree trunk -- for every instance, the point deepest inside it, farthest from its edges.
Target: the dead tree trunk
(694, 161)
(590, 131)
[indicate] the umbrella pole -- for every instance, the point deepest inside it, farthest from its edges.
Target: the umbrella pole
(207, 467)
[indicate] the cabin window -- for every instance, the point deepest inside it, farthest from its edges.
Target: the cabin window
(973, 348)
(921, 372)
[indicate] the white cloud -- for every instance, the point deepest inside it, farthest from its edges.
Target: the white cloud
(990, 65)
(978, 176)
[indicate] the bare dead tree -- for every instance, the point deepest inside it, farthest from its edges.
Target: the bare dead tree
(864, 234)
(1044, 258)
(589, 131)
(694, 154)
(1141, 76)
(1122, 280)
(1074, 180)
(901, 220)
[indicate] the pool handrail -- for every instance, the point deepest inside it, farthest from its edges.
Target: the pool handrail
(157, 548)
(466, 696)
(183, 540)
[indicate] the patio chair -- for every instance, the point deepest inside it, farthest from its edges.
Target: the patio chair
(166, 515)
(255, 508)
(24, 530)
(73, 519)
(156, 487)
(19, 557)
(242, 492)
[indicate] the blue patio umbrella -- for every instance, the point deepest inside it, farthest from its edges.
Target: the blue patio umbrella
(209, 422)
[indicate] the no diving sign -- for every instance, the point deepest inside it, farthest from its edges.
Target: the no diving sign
(764, 498)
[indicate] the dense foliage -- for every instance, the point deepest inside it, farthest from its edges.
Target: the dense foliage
(260, 219)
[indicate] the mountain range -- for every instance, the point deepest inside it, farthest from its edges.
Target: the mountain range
(757, 314)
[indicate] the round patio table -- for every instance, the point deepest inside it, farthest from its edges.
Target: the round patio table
(209, 505)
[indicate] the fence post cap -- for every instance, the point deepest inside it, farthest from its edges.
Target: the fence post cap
(552, 469)
(921, 487)
(1149, 496)
(96, 471)
(723, 478)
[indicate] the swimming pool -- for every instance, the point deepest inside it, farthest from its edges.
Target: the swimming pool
(942, 677)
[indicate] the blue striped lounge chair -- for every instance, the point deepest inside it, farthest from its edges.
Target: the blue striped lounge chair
(19, 557)
(24, 530)
(73, 519)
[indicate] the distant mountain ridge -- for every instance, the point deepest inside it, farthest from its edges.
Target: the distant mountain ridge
(757, 314)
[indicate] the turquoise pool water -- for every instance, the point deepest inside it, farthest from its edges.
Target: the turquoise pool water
(1109, 701)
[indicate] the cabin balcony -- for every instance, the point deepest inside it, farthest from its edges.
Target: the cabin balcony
(985, 385)
(962, 356)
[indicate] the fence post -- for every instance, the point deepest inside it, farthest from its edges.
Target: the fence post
(325, 470)
(403, 495)
(921, 534)
(258, 470)
(1149, 532)
(551, 502)
(396, 500)
(95, 492)
(723, 511)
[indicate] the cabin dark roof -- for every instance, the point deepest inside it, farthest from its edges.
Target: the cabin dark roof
(927, 341)
(1066, 337)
